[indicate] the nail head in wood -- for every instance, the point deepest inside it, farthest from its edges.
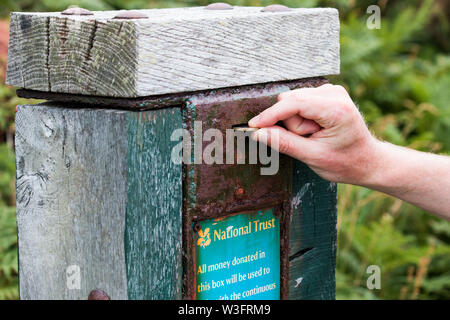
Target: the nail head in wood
(131, 14)
(219, 6)
(98, 294)
(197, 227)
(239, 193)
(276, 8)
(76, 11)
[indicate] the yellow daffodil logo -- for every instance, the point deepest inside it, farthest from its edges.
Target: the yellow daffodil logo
(203, 238)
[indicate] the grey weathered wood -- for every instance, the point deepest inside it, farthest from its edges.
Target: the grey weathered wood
(174, 50)
(95, 188)
(66, 181)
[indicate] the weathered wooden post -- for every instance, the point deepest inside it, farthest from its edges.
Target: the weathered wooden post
(100, 202)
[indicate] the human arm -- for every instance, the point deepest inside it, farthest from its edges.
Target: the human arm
(326, 131)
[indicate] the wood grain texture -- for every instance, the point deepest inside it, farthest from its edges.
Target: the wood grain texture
(70, 166)
(175, 50)
(312, 236)
(153, 221)
(80, 173)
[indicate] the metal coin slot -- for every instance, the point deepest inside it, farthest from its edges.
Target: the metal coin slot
(243, 127)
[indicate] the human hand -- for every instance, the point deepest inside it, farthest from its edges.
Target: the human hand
(324, 130)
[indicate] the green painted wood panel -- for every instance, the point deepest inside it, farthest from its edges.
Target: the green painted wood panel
(312, 236)
(153, 213)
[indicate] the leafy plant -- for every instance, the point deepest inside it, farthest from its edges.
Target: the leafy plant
(8, 254)
(399, 78)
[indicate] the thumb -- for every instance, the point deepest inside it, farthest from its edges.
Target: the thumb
(285, 142)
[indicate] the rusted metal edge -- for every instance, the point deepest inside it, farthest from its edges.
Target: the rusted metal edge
(286, 216)
(150, 102)
(205, 210)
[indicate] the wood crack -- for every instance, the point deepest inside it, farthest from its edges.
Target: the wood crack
(64, 132)
(47, 54)
(299, 253)
(91, 41)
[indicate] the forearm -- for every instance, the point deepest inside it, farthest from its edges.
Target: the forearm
(340, 148)
(420, 178)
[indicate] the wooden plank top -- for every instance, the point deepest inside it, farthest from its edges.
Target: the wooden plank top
(169, 51)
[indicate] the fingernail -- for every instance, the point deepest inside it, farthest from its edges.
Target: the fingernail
(253, 121)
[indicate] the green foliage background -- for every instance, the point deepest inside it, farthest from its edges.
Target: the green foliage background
(399, 77)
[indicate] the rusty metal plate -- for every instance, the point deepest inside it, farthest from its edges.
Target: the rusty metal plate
(211, 191)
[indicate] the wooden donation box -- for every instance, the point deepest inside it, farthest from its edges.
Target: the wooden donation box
(117, 195)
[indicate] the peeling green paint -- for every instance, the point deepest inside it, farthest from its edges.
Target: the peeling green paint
(312, 236)
(189, 116)
(154, 207)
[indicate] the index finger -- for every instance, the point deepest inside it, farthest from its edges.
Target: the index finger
(311, 107)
